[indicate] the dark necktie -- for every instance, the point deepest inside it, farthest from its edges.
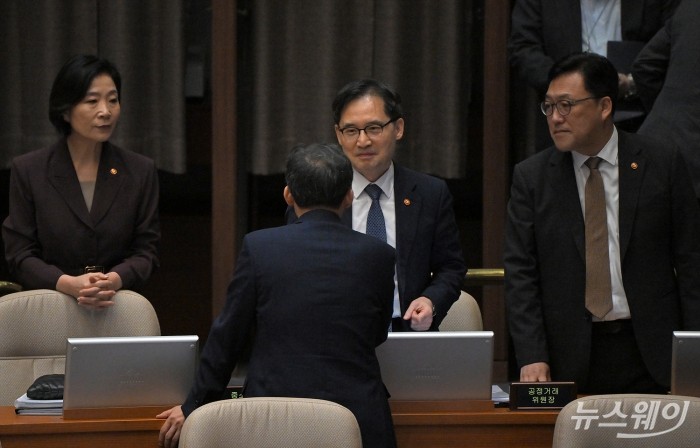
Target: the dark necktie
(375, 217)
(598, 286)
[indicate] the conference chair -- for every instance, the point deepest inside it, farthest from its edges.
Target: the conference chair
(629, 421)
(271, 422)
(34, 325)
(464, 315)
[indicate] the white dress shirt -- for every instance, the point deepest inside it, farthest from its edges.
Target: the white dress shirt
(600, 22)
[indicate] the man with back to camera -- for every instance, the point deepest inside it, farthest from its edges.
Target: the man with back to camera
(318, 296)
(602, 256)
(417, 216)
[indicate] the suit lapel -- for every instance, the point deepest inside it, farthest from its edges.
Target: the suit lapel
(61, 175)
(563, 183)
(569, 13)
(630, 15)
(631, 168)
(408, 204)
(111, 175)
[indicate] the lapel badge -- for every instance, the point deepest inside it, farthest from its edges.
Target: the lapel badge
(634, 165)
(406, 202)
(113, 171)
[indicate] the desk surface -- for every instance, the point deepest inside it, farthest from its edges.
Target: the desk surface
(39, 431)
(416, 426)
(434, 425)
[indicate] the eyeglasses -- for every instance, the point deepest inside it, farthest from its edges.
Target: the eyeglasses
(371, 130)
(563, 106)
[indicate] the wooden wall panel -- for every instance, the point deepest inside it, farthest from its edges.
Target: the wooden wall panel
(224, 150)
(496, 165)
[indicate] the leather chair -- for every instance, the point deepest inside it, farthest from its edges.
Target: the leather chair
(464, 315)
(629, 421)
(271, 422)
(34, 325)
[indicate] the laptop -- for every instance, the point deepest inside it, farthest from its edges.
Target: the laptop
(685, 359)
(107, 372)
(442, 366)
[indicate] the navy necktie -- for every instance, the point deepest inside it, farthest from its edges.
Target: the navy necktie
(375, 217)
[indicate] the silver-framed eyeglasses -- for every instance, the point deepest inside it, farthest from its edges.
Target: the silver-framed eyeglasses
(563, 106)
(373, 130)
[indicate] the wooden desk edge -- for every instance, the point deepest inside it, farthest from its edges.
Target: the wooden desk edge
(465, 412)
(13, 424)
(422, 413)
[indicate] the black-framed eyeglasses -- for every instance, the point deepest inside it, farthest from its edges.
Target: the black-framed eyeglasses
(371, 130)
(563, 106)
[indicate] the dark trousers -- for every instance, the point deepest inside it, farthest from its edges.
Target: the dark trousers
(616, 364)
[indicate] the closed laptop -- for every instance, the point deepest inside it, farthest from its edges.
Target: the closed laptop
(685, 360)
(427, 366)
(110, 372)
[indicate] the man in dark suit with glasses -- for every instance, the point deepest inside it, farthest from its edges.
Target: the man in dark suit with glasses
(602, 256)
(414, 210)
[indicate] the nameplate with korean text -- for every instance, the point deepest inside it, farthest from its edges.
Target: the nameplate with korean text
(543, 395)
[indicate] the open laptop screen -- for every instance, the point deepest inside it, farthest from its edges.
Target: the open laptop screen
(129, 371)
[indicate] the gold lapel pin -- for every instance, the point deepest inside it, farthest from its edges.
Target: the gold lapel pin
(406, 202)
(113, 171)
(634, 165)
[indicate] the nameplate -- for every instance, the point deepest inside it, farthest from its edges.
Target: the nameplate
(541, 396)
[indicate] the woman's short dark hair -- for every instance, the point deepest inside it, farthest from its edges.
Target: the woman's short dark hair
(599, 74)
(72, 83)
(358, 89)
(318, 175)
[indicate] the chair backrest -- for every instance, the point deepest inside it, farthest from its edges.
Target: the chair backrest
(629, 420)
(271, 422)
(34, 325)
(464, 315)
